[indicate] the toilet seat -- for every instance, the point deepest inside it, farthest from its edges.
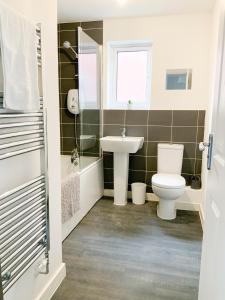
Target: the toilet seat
(168, 181)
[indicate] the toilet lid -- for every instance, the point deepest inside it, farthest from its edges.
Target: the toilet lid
(168, 181)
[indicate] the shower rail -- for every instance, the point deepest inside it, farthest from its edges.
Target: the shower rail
(24, 210)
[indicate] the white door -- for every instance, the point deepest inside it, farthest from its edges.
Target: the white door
(212, 278)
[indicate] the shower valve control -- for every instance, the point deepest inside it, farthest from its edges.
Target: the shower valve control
(73, 102)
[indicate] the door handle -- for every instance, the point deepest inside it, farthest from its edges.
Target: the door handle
(209, 145)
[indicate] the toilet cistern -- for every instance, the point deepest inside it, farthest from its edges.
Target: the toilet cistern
(168, 184)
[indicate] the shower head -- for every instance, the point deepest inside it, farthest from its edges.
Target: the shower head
(67, 45)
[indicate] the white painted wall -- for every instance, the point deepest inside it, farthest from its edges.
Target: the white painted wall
(32, 285)
(179, 41)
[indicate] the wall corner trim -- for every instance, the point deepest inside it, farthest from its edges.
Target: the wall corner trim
(52, 285)
(202, 216)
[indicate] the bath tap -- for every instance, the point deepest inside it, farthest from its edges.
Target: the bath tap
(75, 157)
(123, 132)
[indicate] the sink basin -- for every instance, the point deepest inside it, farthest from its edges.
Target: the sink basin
(121, 147)
(126, 144)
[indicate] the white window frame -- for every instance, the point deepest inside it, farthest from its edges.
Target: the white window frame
(113, 49)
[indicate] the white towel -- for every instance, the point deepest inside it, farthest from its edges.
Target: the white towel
(70, 199)
(19, 60)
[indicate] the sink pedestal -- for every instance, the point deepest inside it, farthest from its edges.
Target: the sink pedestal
(121, 167)
(121, 147)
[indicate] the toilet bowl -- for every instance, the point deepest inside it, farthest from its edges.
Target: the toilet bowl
(168, 187)
(168, 184)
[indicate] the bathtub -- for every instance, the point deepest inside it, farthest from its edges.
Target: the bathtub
(90, 171)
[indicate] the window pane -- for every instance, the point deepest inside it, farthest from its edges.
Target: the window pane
(132, 76)
(87, 79)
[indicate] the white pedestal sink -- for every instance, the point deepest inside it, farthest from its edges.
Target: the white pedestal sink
(121, 147)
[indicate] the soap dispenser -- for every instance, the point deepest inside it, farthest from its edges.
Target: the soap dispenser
(73, 101)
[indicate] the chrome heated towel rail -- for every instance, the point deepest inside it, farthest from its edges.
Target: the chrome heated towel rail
(24, 221)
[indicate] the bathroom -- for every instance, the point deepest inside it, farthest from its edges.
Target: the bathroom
(111, 183)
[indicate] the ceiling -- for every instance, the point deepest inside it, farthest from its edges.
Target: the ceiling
(89, 10)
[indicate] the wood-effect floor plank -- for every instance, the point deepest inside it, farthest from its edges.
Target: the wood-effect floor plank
(128, 253)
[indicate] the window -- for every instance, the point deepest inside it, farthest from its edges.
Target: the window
(129, 74)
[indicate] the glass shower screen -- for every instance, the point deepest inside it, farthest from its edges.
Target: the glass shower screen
(89, 58)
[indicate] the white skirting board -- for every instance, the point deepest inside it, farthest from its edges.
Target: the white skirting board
(50, 288)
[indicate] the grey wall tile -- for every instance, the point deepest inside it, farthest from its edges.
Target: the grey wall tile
(68, 70)
(189, 150)
(198, 166)
(114, 116)
(137, 163)
(108, 185)
(63, 100)
(188, 166)
(152, 164)
(108, 160)
(93, 149)
(143, 150)
(152, 149)
(201, 118)
(68, 144)
(67, 84)
(95, 34)
(69, 26)
(137, 131)
(200, 136)
(68, 35)
(90, 129)
(149, 175)
(136, 176)
(160, 117)
(184, 134)
(185, 117)
(90, 116)
(108, 175)
(198, 152)
(159, 133)
(136, 117)
(68, 130)
(114, 130)
(92, 24)
(67, 117)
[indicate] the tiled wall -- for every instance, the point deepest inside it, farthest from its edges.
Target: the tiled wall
(68, 69)
(185, 127)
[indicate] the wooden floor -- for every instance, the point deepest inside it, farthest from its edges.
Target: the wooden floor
(127, 253)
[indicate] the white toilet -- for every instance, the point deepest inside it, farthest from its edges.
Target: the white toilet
(168, 184)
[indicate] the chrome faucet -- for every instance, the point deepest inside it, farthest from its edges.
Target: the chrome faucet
(123, 132)
(75, 157)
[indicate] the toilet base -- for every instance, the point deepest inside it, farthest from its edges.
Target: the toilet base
(166, 209)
